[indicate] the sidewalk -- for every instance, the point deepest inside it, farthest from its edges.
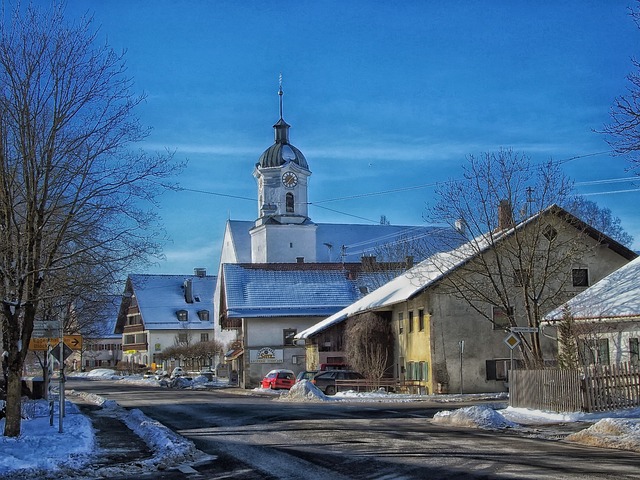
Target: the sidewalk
(131, 445)
(117, 443)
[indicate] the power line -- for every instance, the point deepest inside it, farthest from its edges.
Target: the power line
(433, 184)
(371, 194)
(344, 213)
(183, 189)
(419, 187)
(611, 180)
(577, 157)
(610, 192)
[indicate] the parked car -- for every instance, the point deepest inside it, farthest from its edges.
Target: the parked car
(277, 379)
(326, 381)
(333, 366)
(306, 375)
(178, 372)
(208, 373)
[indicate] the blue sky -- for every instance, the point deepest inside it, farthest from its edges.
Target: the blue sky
(380, 95)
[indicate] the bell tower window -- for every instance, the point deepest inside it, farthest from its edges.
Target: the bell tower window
(289, 202)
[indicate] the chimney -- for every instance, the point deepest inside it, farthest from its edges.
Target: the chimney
(188, 291)
(461, 226)
(408, 260)
(505, 215)
(200, 272)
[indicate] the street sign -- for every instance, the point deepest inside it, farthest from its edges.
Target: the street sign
(46, 329)
(73, 342)
(42, 344)
(66, 352)
(46, 325)
(524, 329)
(512, 341)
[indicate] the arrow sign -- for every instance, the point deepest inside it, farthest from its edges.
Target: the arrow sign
(74, 342)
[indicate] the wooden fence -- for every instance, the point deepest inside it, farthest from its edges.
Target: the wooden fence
(597, 388)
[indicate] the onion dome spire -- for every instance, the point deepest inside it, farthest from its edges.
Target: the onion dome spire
(281, 151)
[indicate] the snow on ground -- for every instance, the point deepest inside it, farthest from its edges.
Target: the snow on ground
(42, 452)
(475, 417)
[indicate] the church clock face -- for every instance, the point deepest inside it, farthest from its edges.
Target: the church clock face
(289, 179)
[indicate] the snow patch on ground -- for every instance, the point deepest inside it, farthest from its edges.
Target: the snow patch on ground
(40, 450)
(618, 433)
(305, 390)
(476, 416)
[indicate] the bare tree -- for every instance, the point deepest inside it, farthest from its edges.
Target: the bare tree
(519, 272)
(369, 343)
(73, 192)
(624, 129)
(600, 218)
(195, 354)
(392, 258)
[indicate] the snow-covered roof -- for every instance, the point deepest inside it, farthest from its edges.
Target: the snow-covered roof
(615, 296)
(436, 267)
(160, 297)
(358, 239)
(397, 290)
(277, 290)
(241, 239)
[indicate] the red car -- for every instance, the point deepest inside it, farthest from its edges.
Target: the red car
(277, 379)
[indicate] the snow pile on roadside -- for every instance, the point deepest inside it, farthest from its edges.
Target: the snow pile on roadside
(198, 382)
(305, 390)
(41, 451)
(100, 373)
(618, 433)
(476, 416)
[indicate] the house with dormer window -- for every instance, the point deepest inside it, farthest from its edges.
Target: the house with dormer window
(160, 311)
(443, 342)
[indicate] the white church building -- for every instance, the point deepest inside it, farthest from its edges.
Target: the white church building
(292, 272)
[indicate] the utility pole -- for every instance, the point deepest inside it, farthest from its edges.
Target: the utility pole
(61, 383)
(461, 344)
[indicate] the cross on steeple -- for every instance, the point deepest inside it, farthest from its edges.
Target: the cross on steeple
(281, 93)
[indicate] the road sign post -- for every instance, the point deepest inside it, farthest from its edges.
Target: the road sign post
(512, 342)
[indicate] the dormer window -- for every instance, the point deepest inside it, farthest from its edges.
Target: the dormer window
(289, 202)
(203, 315)
(182, 315)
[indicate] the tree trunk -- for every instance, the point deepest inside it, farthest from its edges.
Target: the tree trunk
(13, 404)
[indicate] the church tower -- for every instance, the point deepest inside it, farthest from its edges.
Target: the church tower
(283, 231)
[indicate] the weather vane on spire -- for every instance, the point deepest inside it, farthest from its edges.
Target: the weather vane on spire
(280, 92)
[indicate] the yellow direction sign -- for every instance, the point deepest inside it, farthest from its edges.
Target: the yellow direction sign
(74, 342)
(42, 344)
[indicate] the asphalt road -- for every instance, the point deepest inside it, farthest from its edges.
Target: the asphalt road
(255, 437)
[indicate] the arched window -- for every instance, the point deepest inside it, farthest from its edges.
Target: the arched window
(289, 202)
